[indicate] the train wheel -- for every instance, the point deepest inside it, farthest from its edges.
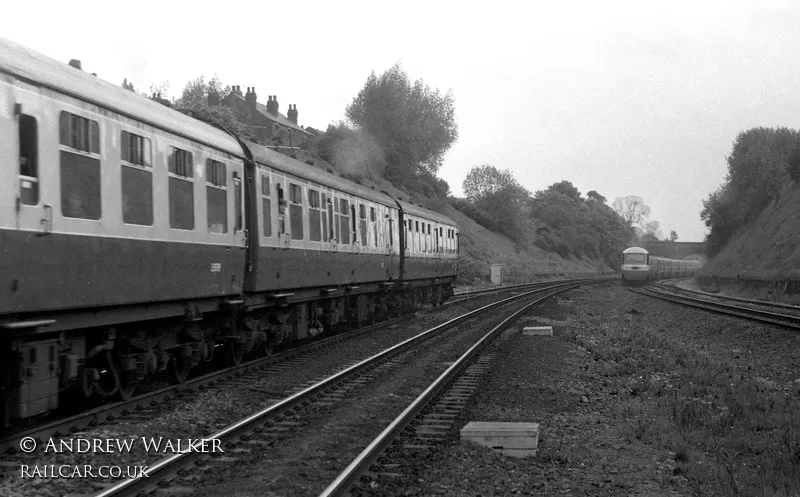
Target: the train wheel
(233, 353)
(127, 386)
(266, 348)
(178, 369)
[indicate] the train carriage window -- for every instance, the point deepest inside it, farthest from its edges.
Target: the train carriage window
(135, 149)
(331, 222)
(79, 133)
(80, 172)
(391, 234)
(136, 179)
(344, 221)
(296, 211)
(362, 223)
(137, 195)
(238, 221)
(181, 190)
(353, 227)
(315, 216)
(216, 196)
(281, 209)
(28, 160)
(372, 220)
(266, 206)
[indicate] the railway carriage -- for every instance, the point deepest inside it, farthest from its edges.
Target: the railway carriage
(135, 240)
(635, 265)
(639, 266)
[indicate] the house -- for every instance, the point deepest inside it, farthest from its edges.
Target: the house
(271, 127)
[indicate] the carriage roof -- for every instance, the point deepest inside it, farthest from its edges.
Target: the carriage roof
(32, 67)
(635, 250)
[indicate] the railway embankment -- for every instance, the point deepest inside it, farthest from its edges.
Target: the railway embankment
(481, 247)
(634, 396)
(762, 260)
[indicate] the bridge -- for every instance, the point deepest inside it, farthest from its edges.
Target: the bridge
(675, 250)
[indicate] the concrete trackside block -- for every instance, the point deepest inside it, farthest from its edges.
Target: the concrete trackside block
(510, 439)
(538, 330)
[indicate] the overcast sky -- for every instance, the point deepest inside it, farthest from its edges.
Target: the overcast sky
(620, 97)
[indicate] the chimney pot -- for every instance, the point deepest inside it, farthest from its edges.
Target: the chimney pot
(75, 63)
(250, 98)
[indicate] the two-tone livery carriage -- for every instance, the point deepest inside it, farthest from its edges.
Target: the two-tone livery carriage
(135, 239)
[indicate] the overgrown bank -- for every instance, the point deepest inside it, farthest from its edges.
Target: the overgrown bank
(763, 258)
(480, 247)
(754, 237)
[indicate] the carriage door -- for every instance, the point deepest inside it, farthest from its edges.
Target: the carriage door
(34, 211)
(437, 254)
(241, 234)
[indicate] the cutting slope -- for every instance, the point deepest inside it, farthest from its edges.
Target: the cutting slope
(767, 249)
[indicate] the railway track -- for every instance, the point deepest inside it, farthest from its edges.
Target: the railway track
(748, 311)
(671, 285)
(98, 415)
(428, 418)
(141, 407)
(286, 414)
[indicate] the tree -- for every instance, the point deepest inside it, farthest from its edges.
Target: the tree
(159, 90)
(414, 125)
(571, 225)
(673, 236)
(760, 168)
(194, 97)
(128, 86)
(567, 189)
(485, 180)
(593, 195)
(632, 209)
(794, 163)
(195, 93)
(498, 194)
(653, 228)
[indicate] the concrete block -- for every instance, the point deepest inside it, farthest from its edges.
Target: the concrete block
(510, 439)
(538, 331)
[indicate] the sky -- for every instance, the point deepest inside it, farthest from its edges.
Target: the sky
(625, 98)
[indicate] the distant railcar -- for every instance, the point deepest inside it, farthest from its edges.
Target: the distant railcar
(635, 265)
(639, 266)
(136, 240)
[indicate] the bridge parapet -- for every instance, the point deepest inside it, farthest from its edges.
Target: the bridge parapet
(675, 250)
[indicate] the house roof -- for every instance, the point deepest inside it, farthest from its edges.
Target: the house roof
(279, 118)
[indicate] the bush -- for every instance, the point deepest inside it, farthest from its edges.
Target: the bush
(473, 212)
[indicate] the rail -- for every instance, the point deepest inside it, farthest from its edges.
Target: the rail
(169, 467)
(763, 316)
(361, 464)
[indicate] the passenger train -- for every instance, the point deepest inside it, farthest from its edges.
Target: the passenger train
(638, 266)
(135, 239)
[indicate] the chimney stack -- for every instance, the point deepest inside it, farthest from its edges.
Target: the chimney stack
(250, 97)
(76, 64)
(292, 113)
(272, 105)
